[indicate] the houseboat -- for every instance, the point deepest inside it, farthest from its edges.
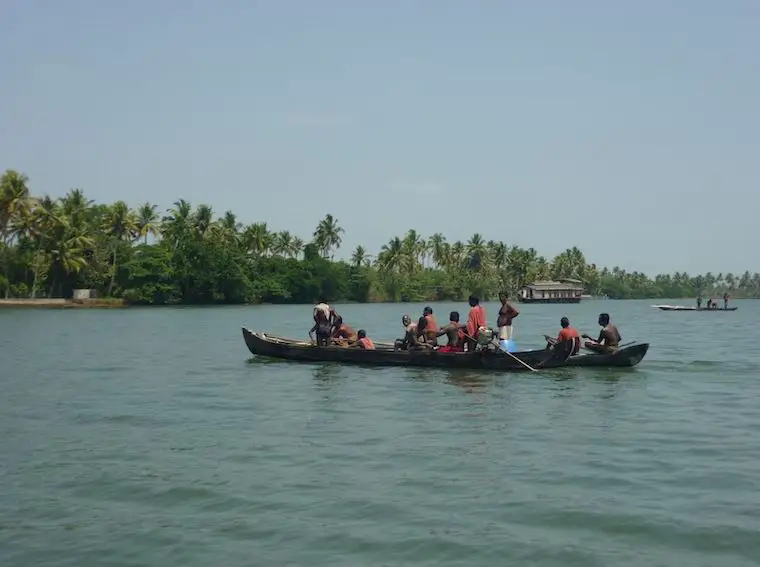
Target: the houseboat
(562, 291)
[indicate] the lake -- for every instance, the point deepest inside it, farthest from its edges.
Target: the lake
(151, 437)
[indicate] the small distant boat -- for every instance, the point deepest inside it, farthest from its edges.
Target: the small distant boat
(690, 308)
(262, 344)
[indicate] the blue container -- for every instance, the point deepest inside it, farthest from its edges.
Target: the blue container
(508, 345)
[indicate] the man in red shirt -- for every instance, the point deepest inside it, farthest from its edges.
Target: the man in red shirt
(476, 319)
(567, 333)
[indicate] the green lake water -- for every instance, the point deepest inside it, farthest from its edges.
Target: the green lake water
(151, 437)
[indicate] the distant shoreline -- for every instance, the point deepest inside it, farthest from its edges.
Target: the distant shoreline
(115, 303)
(57, 303)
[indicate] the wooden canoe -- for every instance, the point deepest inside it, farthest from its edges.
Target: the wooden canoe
(262, 344)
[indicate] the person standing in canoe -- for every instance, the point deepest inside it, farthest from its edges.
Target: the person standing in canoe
(329, 313)
(609, 337)
(322, 327)
(725, 300)
(507, 313)
(476, 319)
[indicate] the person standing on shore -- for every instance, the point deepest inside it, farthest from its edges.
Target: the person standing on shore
(507, 313)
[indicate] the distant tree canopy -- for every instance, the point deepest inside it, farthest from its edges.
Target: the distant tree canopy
(48, 247)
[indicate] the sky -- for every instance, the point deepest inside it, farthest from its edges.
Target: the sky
(628, 129)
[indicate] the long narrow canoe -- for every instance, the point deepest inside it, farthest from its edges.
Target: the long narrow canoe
(690, 308)
(262, 344)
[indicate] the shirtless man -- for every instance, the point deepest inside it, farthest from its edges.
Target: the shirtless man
(343, 334)
(410, 340)
(454, 331)
(609, 337)
(507, 312)
(410, 334)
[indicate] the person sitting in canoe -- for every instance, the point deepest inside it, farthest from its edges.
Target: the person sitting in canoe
(363, 341)
(427, 328)
(566, 333)
(609, 337)
(343, 335)
(322, 327)
(410, 340)
(454, 331)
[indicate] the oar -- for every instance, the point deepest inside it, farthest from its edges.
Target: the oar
(619, 346)
(525, 364)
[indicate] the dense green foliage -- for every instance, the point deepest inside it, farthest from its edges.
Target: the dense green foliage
(49, 247)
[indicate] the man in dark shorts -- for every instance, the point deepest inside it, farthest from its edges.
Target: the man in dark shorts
(609, 337)
(323, 327)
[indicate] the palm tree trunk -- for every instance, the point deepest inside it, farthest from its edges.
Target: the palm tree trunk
(6, 270)
(36, 270)
(113, 273)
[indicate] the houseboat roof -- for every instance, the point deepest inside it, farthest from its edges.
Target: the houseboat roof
(564, 284)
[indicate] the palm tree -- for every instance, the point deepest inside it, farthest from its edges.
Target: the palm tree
(296, 247)
(76, 207)
(439, 249)
(203, 217)
(147, 222)
(120, 224)
(327, 236)
(14, 202)
(477, 252)
(282, 243)
(257, 239)
(391, 256)
(176, 224)
(359, 257)
(43, 221)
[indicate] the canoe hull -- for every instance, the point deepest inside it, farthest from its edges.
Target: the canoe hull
(286, 349)
(688, 308)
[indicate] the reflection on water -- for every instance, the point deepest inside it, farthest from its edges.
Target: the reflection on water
(327, 372)
(469, 381)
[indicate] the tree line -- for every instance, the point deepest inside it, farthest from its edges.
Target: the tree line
(51, 246)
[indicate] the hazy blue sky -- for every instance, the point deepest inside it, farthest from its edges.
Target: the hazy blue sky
(629, 129)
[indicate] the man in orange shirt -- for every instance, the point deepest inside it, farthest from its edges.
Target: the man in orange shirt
(363, 341)
(567, 333)
(475, 320)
